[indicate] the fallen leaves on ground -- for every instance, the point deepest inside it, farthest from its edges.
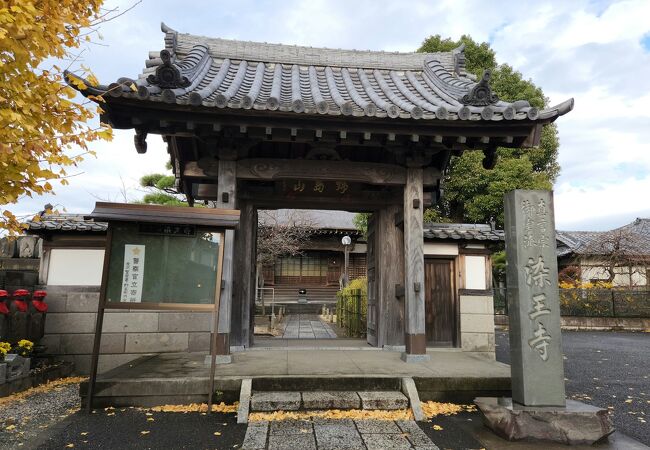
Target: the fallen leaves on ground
(196, 407)
(358, 414)
(437, 427)
(433, 409)
(49, 386)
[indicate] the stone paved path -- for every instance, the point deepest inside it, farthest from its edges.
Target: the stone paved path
(307, 326)
(326, 434)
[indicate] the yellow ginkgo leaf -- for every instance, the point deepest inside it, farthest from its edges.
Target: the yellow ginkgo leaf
(216, 433)
(145, 432)
(437, 427)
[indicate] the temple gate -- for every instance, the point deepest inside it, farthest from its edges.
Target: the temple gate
(253, 126)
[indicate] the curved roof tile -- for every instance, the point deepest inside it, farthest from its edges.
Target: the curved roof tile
(222, 73)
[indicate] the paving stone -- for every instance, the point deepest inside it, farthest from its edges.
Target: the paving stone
(330, 400)
(376, 426)
(255, 438)
(383, 400)
(339, 435)
(303, 441)
(290, 427)
(321, 422)
(415, 434)
(275, 401)
(386, 441)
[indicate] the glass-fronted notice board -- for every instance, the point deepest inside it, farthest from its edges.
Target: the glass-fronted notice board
(157, 263)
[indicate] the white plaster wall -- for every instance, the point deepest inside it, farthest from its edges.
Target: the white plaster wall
(475, 272)
(639, 276)
(439, 248)
(359, 248)
(75, 267)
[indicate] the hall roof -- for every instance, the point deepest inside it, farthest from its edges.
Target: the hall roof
(632, 240)
(229, 74)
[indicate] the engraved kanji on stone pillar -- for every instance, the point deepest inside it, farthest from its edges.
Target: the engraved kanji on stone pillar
(534, 310)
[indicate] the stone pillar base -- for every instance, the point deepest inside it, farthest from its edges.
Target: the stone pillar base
(575, 424)
(220, 359)
(415, 358)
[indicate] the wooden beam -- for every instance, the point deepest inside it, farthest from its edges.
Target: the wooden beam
(359, 203)
(414, 312)
(226, 195)
(123, 109)
(268, 169)
(244, 281)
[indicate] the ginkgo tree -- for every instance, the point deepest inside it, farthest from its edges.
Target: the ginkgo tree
(44, 128)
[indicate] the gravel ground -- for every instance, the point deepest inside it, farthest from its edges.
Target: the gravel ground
(606, 369)
(24, 415)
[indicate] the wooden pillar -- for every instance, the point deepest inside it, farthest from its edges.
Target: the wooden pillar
(226, 198)
(389, 254)
(415, 337)
(244, 280)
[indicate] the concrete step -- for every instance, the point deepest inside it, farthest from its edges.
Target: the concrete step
(332, 383)
(276, 401)
(321, 400)
(383, 400)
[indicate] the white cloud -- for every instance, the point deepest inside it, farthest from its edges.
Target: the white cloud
(621, 201)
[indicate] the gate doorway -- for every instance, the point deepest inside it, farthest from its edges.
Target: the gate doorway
(441, 306)
(298, 294)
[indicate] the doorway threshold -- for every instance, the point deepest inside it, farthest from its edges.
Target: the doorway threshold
(310, 344)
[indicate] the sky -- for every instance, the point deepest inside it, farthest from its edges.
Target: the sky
(597, 52)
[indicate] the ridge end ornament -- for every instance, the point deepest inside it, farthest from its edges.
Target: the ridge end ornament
(167, 75)
(481, 94)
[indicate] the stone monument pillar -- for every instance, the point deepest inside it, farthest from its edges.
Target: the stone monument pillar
(538, 409)
(533, 299)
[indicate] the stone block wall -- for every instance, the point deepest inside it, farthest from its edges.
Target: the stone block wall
(127, 335)
(477, 324)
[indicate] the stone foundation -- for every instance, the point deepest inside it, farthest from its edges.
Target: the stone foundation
(575, 424)
(127, 335)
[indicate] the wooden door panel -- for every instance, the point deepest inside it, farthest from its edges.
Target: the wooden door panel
(440, 304)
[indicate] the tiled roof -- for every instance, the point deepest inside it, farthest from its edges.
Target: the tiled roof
(65, 222)
(632, 239)
(462, 231)
(219, 73)
(323, 221)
